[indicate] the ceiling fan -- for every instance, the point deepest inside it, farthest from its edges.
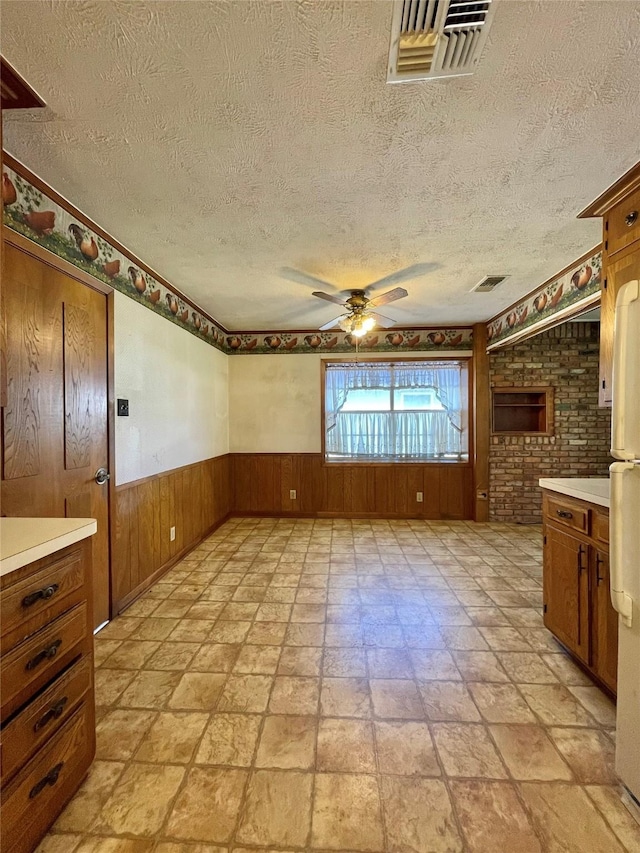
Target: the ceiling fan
(359, 317)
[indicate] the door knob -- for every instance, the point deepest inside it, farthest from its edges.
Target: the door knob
(102, 475)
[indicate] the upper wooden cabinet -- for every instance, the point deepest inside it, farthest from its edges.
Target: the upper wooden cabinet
(619, 207)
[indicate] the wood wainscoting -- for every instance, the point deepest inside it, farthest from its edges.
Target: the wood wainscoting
(193, 499)
(261, 483)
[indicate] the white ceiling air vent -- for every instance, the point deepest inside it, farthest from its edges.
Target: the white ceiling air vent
(437, 38)
(487, 284)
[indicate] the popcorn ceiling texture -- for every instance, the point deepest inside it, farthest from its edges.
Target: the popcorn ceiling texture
(222, 142)
(567, 359)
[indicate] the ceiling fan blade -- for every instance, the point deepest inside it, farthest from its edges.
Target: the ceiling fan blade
(330, 325)
(381, 320)
(304, 278)
(404, 274)
(389, 296)
(328, 296)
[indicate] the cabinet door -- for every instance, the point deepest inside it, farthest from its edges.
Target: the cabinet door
(566, 590)
(605, 622)
(625, 267)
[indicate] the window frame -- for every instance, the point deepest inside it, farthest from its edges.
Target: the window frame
(467, 360)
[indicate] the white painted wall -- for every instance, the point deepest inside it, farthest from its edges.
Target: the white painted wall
(274, 404)
(178, 392)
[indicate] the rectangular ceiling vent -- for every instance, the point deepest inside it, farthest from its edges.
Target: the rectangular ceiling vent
(437, 38)
(488, 283)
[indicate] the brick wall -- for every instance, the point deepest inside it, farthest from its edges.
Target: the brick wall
(567, 359)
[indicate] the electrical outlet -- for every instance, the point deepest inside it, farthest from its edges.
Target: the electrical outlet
(419, 497)
(293, 494)
(172, 534)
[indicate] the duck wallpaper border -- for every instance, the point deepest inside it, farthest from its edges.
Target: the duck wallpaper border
(569, 289)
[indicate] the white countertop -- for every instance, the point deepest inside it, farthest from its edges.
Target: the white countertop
(23, 540)
(595, 490)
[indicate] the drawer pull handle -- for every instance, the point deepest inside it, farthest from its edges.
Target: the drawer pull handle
(581, 550)
(50, 779)
(599, 562)
(53, 713)
(630, 218)
(46, 654)
(564, 513)
(43, 594)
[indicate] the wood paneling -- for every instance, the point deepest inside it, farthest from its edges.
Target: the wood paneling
(261, 483)
(193, 499)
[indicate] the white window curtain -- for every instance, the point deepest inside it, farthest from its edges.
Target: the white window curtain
(433, 434)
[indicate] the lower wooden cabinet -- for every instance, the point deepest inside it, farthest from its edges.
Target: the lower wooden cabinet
(577, 599)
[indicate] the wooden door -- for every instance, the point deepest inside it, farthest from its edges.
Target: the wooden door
(566, 590)
(54, 424)
(605, 622)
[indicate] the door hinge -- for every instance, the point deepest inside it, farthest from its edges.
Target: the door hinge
(544, 608)
(544, 540)
(604, 383)
(604, 284)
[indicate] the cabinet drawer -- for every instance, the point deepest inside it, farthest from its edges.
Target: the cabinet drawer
(34, 799)
(33, 663)
(43, 716)
(40, 598)
(600, 526)
(623, 223)
(567, 513)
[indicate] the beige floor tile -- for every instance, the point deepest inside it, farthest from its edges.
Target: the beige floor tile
(345, 697)
(346, 813)
(396, 699)
(599, 705)
(345, 745)
(589, 753)
(277, 809)
(120, 628)
(529, 753)
(405, 748)
(466, 749)
(154, 629)
(345, 663)
(229, 739)
(149, 689)
(267, 633)
(287, 743)
(197, 691)
(505, 639)
(229, 632)
(492, 818)
(294, 695)
(565, 819)
(138, 804)
(114, 845)
(273, 612)
(215, 657)
(555, 705)
(191, 630)
(423, 637)
(501, 703)
(260, 660)
(565, 669)
(389, 663)
(172, 656)
(304, 634)
(119, 733)
(300, 660)
(626, 829)
(110, 684)
(172, 738)
(248, 693)
(90, 798)
(221, 791)
(527, 668)
(131, 654)
(187, 847)
(463, 638)
(102, 649)
(418, 816)
(171, 609)
(480, 666)
(448, 700)
(434, 664)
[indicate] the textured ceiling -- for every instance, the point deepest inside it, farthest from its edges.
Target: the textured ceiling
(224, 142)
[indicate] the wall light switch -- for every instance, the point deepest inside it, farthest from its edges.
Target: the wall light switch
(419, 497)
(123, 408)
(172, 534)
(293, 494)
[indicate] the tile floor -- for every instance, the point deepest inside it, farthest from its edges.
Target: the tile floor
(347, 686)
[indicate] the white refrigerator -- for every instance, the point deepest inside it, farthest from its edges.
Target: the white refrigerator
(625, 530)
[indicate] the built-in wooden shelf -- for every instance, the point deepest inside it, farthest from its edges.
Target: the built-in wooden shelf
(523, 411)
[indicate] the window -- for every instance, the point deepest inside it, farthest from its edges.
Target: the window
(401, 411)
